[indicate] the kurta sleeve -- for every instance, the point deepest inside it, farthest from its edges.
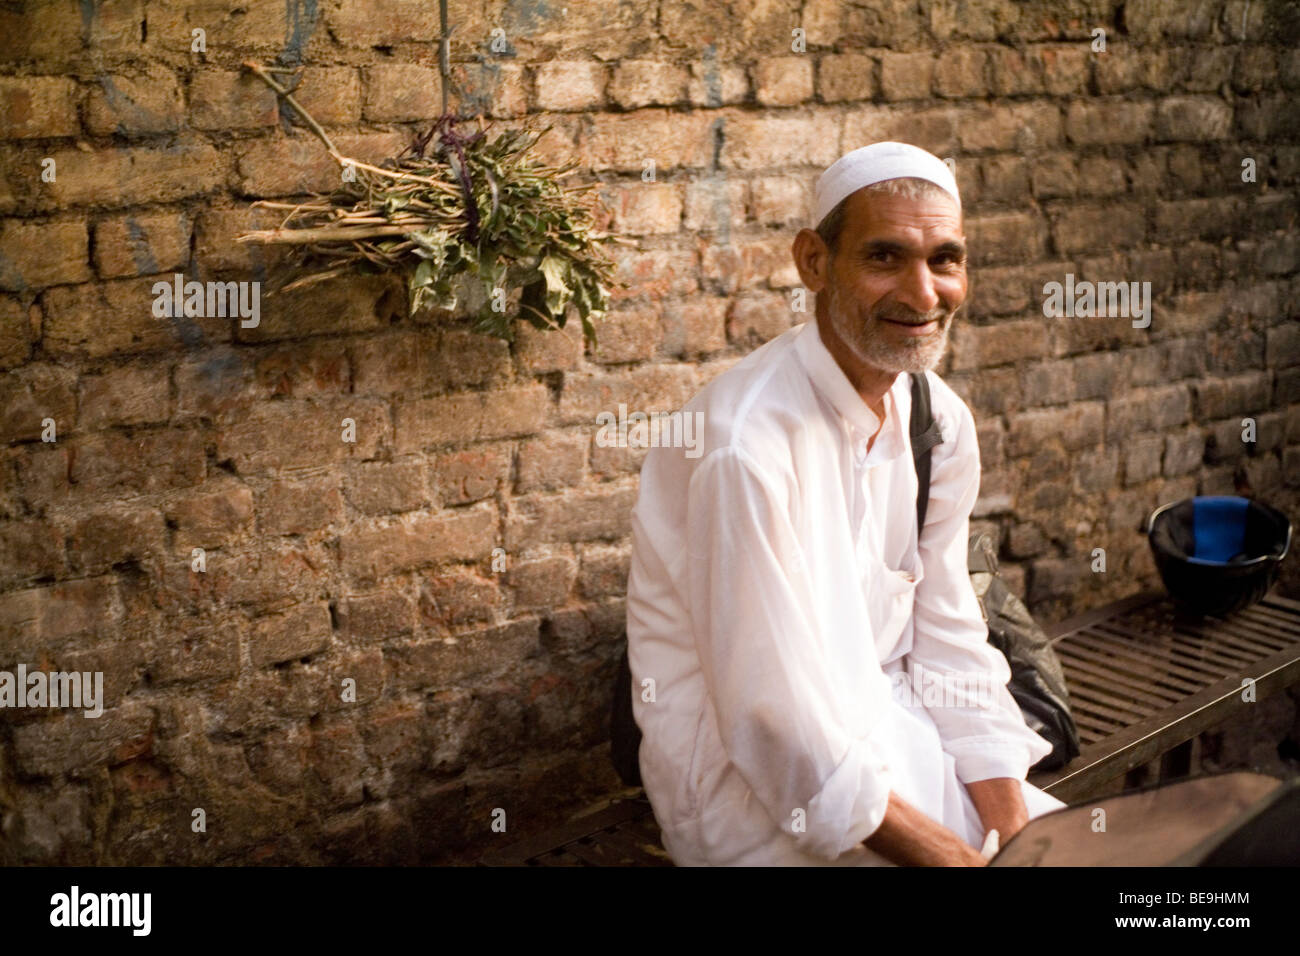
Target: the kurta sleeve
(765, 666)
(979, 721)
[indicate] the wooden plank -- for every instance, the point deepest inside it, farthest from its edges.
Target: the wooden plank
(1143, 742)
(1175, 689)
(1080, 621)
(555, 858)
(592, 854)
(1086, 712)
(517, 853)
(1144, 661)
(1211, 645)
(630, 847)
(1095, 690)
(1170, 645)
(1261, 631)
(1240, 638)
(1146, 693)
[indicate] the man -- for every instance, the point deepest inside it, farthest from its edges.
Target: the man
(780, 594)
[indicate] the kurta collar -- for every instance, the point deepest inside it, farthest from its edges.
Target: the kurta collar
(831, 382)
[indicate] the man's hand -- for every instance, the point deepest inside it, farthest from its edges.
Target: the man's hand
(908, 837)
(1001, 806)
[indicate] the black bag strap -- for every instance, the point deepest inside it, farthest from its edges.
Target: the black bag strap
(925, 434)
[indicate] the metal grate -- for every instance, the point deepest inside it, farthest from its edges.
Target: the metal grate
(1142, 680)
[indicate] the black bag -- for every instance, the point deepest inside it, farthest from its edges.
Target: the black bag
(1037, 681)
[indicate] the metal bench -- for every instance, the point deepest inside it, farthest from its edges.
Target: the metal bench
(1144, 681)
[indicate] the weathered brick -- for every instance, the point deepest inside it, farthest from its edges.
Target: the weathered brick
(34, 255)
(961, 72)
(196, 654)
(458, 597)
(773, 140)
(1074, 426)
(142, 244)
(1146, 411)
(543, 582)
(906, 76)
(462, 477)
(1241, 394)
(472, 416)
(650, 388)
(714, 84)
(38, 106)
(572, 516)
(130, 395)
(1006, 238)
(387, 488)
(1143, 458)
(420, 540)
(846, 76)
(300, 632)
(570, 85)
(1183, 452)
(144, 103)
(754, 320)
(1089, 123)
(211, 516)
(16, 332)
(474, 656)
(281, 166)
(638, 83)
(125, 177)
(299, 507)
(547, 350)
(604, 570)
(30, 550)
(1192, 119)
(294, 434)
(37, 618)
(74, 745)
(783, 80)
(377, 616)
(1019, 126)
(142, 462)
(106, 538)
(627, 336)
(367, 23)
(397, 92)
(625, 141)
(30, 395)
(551, 462)
(715, 205)
(645, 208)
(984, 346)
(332, 94)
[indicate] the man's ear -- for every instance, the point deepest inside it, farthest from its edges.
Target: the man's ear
(812, 259)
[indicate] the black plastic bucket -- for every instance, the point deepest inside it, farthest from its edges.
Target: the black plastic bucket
(1218, 554)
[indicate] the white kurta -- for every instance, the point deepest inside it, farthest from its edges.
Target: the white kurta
(776, 588)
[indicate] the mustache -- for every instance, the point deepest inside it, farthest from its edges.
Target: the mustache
(897, 312)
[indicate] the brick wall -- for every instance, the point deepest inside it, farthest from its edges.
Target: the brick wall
(375, 561)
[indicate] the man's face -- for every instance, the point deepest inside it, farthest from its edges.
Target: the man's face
(897, 279)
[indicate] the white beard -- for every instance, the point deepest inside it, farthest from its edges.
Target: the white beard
(869, 345)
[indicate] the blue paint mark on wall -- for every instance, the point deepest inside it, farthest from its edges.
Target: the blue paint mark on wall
(141, 254)
(302, 16)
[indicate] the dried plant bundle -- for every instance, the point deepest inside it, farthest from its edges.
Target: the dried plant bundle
(455, 206)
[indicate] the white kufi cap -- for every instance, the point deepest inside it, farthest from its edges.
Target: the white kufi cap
(875, 164)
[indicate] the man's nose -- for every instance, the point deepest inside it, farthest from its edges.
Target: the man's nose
(916, 287)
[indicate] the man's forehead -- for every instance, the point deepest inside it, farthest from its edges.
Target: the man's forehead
(868, 212)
